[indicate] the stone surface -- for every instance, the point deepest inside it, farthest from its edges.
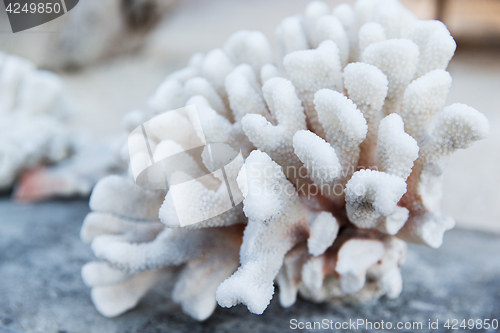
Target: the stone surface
(41, 289)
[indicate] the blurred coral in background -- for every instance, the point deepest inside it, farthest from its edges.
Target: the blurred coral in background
(34, 110)
(98, 29)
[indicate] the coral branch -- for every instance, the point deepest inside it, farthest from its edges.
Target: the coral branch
(276, 222)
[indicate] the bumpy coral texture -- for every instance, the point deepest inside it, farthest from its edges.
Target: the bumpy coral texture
(34, 107)
(345, 139)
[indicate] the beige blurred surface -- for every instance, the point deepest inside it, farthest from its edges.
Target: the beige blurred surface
(473, 20)
(104, 93)
(107, 91)
(472, 180)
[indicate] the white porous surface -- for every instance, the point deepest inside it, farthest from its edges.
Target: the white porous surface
(344, 138)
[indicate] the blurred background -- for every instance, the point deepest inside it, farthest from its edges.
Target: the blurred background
(112, 66)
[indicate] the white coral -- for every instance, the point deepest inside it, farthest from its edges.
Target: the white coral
(34, 107)
(342, 161)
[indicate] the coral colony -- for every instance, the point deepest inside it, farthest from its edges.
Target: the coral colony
(345, 140)
(40, 156)
(34, 107)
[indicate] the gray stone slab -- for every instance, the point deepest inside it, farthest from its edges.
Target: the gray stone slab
(41, 289)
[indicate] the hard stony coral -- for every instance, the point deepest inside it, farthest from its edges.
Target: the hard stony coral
(33, 108)
(345, 141)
